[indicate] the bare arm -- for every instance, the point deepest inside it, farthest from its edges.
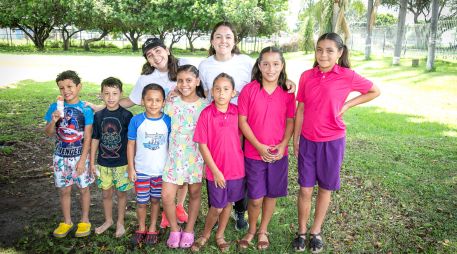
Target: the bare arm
(363, 98)
(298, 126)
(50, 128)
(285, 141)
(93, 153)
(126, 103)
(131, 159)
(217, 174)
(81, 165)
(249, 135)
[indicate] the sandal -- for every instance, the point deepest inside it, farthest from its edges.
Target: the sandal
(222, 244)
(62, 230)
(187, 240)
(263, 245)
(299, 242)
(174, 239)
(316, 244)
(138, 237)
(243, 243)
(83, 229)
(151, 238)
(199, 244)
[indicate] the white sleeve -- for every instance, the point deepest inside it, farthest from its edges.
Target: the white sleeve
(135, 95)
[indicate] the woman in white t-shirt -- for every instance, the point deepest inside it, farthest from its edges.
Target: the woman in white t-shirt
(224, 56)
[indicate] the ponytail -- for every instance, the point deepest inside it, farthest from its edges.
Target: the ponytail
(344, 59)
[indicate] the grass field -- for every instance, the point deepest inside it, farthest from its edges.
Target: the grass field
(399, 178)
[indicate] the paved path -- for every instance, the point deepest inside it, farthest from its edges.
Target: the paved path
(14, 68)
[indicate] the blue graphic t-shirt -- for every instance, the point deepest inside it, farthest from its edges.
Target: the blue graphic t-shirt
(151, 136)
(70, 128)
(110, 128)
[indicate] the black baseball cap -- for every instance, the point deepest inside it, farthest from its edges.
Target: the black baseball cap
(152, 43)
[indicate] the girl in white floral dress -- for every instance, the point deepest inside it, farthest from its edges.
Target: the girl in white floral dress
(185, 163)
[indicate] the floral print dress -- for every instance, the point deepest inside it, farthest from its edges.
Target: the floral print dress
(185, 163)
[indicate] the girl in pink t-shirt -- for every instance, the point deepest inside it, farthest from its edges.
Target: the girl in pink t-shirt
(319, 137)
(266, 116)
(218, 138)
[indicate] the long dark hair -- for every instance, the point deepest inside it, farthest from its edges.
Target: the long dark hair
(172, 67)
(190, 68)
(257, 74)
(344, 59)
(235, 49)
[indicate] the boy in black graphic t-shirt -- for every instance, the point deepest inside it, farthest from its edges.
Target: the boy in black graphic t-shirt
(109, 137)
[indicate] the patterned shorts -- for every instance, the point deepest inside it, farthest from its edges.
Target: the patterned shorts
(118, 177)
(147, 187)
(65, 172)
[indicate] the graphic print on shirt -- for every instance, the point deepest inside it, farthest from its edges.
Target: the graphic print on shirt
(110, 142)
(70, 133)
(154, 140)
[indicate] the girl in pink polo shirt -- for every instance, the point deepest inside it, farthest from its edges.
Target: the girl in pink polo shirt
(266, 116)
(218, 138)
(319, 137)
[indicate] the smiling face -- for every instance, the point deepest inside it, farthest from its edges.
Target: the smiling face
(223, 92)
(187, 83)
(271, 66)
(69, 90)
(158, 58)
(111, 96)
(153, 103)
(327, 54)
(223, 41)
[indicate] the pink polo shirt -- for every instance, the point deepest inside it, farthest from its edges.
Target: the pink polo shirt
(324, 95)
(220, 132)
(266, 114)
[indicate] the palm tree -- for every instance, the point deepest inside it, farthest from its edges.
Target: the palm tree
(432, 40)
(400, 32)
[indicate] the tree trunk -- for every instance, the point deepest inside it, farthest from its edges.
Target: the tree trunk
(336, 10)
(191, 42)
(400, 32)
(369, 31)
(432, 41)
(86, 42)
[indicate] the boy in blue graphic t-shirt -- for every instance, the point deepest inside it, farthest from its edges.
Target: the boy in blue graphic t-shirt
(70, 161)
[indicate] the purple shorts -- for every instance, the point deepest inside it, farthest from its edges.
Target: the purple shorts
(266, 179)
(220, 197)
(321, 162)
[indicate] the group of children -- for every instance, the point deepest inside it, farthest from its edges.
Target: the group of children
(194, 130)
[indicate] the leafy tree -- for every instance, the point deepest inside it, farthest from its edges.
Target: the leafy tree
(36, 18)
(200, 17)
(371, 17)
(356, 11)
(72, 17)
(96, 15)
(385, 20)
(133, 18)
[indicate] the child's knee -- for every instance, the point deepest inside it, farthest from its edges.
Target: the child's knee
(107, 194)
(155, 201)
(84, 190)
(141, 206)
(66, 191)
(306, 193)
(256, 203)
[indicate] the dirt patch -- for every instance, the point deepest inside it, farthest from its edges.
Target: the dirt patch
(28, 192)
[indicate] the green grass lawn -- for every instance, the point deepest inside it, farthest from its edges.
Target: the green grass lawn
(399, 178)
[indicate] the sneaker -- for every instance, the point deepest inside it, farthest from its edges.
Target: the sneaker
(241, 223)
(316, 244)
(181, 214)
(164, 222)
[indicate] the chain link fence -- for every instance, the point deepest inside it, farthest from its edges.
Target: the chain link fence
(415, 40)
